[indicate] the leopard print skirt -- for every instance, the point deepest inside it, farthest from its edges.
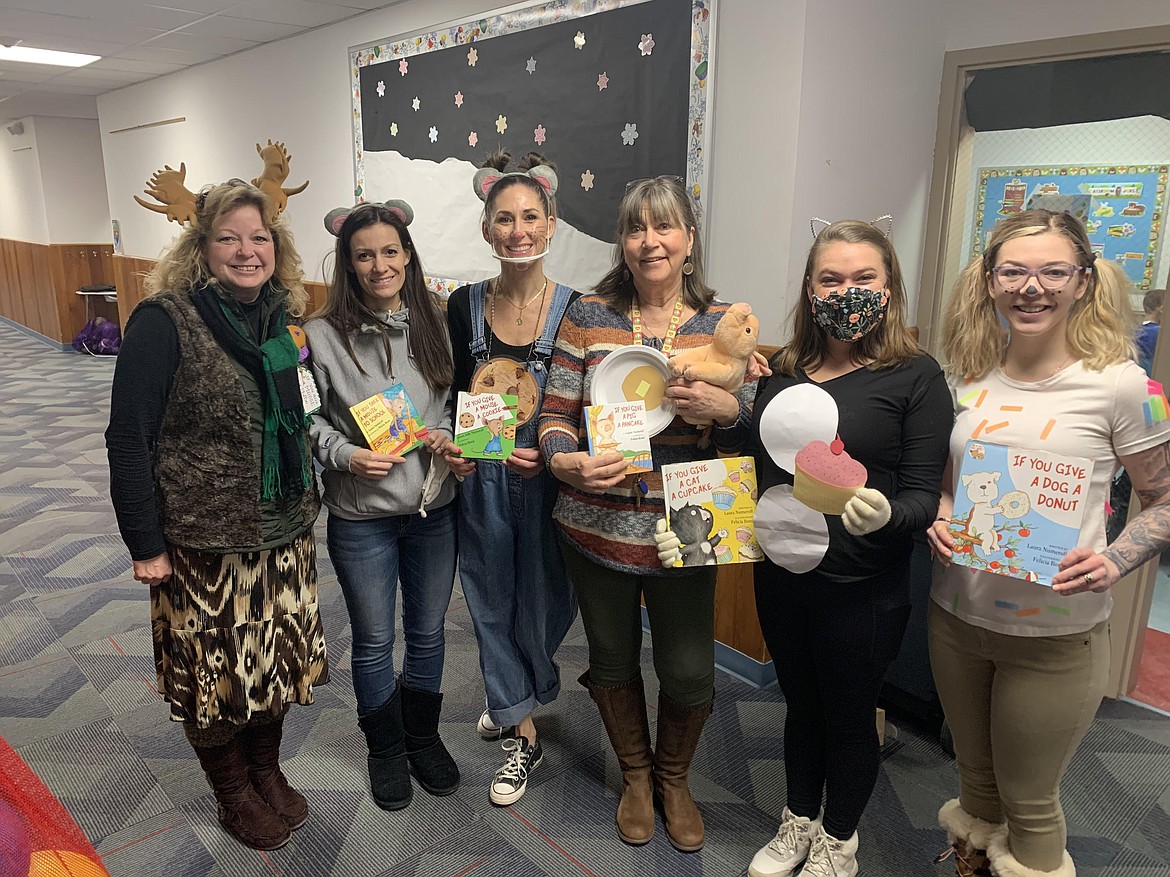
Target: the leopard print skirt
(236, 635)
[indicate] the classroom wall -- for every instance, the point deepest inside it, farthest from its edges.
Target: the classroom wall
(73, 180)
(778, 71)
(22, 201)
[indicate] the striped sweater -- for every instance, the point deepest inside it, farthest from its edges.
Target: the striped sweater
(615, 529)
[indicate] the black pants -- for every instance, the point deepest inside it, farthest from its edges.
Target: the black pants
(832, 644)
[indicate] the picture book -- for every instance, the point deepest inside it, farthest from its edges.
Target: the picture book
(485, 425)
(389, 421)
(1018, 511)
(620, 426)
(710, 506)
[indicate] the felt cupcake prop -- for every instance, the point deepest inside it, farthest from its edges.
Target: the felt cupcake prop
(826, 476)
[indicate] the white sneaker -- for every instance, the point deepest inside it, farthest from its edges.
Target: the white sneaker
(784, 853)
(829, 857)
(489, 730)
(511, 781)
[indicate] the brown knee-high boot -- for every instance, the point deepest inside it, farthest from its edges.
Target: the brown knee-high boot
(679, 728)
(262, 751)
(623, 711)
(239, 807)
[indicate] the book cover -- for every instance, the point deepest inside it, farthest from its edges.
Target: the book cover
(710, 506)
(485, 425)
(621, 427)
(389, 421)
(1018, 511)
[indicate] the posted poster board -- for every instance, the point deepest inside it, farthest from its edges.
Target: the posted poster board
(1123, 208)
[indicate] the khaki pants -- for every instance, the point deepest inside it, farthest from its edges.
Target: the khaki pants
(1017, 707)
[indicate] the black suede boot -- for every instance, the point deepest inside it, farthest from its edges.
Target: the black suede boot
(430, 762)
(389, 774)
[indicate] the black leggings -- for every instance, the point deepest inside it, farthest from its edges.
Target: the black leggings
(831, 644)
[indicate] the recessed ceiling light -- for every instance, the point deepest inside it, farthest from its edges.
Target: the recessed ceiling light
(46, 56)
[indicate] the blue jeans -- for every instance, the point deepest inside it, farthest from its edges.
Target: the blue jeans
(370, 557)
(513, 577)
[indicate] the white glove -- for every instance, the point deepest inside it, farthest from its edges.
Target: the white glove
(668, 545)
(867, 510)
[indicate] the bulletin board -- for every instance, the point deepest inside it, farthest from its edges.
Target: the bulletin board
(1123, 208)
(610, 91)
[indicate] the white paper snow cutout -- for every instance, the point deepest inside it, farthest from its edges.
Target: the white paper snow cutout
(793, 418)
(393, 129)
(501, 124)
(630, 134)
(587, 180)
(472, 57)
(791, 534)
(579, 40)
(646, 44)
(381, 89)
(416, 104)
(434, 134)
(530, 66)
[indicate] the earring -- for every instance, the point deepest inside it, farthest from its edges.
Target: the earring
(688, 268)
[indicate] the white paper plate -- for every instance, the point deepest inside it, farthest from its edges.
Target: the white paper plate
(634, 373)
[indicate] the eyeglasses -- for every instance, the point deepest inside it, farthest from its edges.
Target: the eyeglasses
(670, 178)
(1052, 278)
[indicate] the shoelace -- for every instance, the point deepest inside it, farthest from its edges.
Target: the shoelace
(820, 858)
(516, 767)
(963, 866)
(786, 838)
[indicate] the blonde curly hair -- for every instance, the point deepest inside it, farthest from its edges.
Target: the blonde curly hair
(1100, 324)
(184, 267)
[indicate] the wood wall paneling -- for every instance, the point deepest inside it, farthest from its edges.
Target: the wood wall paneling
(129, 274)
(39, 283)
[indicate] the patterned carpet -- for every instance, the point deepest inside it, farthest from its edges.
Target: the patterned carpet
(77, 701)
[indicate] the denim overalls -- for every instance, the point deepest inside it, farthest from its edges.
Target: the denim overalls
(510, 563)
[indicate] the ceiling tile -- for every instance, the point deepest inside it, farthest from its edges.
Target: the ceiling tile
(190, 42)
(150, 52)
(153, 68)
(243, 28)
(292, 12)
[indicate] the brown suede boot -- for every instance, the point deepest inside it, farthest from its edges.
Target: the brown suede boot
(239, 807)
(623, 711)
(679, 728)
(262, 751)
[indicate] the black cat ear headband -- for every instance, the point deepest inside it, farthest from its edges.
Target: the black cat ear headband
(888, 219)
(334, 219)
(485, 178)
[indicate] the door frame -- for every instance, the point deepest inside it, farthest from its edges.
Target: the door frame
(1133, 595)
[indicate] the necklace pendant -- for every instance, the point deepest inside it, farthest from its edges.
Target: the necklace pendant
(520, 320)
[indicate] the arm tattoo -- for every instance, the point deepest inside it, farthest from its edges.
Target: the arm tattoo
(1148, 534)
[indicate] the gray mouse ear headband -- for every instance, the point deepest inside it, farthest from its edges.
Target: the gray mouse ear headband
(486, 177)
(335, 218)
(887, 218)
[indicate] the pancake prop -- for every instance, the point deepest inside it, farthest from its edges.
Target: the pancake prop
(636, 374)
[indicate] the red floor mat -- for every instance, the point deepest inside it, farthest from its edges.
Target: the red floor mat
(1153, 685)
(38, 837)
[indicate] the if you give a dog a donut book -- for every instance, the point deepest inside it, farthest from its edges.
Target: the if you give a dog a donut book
(1018, 511)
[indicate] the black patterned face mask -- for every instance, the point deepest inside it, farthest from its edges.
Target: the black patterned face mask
(852, 313)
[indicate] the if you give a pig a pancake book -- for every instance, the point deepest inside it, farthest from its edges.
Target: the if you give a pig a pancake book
(1018, 511)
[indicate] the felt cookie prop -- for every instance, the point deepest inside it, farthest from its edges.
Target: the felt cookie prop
(508, 377)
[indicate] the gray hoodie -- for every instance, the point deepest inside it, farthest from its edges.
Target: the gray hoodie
(336, 436)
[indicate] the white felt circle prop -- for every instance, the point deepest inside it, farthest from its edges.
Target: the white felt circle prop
(791, 534)
(793, 418)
